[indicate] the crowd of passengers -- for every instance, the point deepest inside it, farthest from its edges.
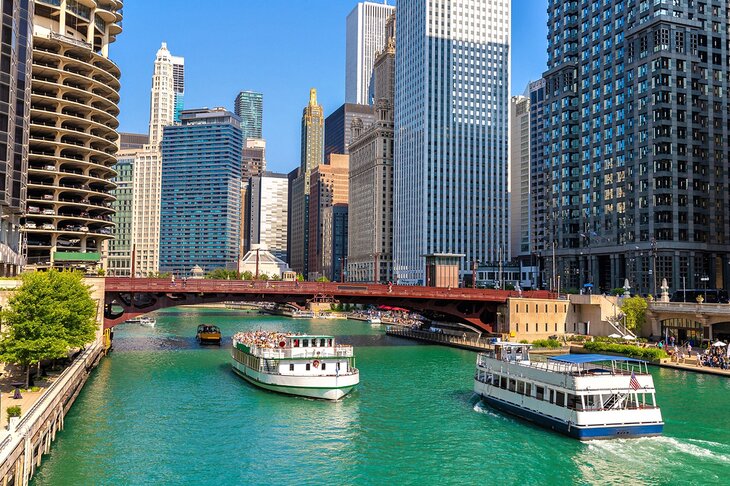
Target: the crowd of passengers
(262, 339)
(715, 355)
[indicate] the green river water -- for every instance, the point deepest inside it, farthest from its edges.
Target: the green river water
(163, 410)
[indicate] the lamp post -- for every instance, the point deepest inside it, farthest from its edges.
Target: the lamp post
(705, 279)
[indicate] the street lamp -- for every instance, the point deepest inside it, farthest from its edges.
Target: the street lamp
(704, 280)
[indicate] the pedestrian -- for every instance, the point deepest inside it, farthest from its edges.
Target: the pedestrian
(172, 279)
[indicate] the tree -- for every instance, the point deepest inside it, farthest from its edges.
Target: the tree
(163, 275)
(263, 276)
(635, 310)
(247, 275)
(50, 314)
(275, 277)
(300, 277)
(223, 274)
(323, 279)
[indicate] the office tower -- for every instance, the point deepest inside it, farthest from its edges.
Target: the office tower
(16, 27)
(334, 242)
(370, 246)
(520, 176)
(329, 184)
(254, 157)
(249, 106)
(133, 140)
(636, 115)
(538, 239)
(268, 212)
(119, 262)
(291, 199)
(201, 192)
(178, 85)
(162, 97)
(73, 138)
(365, 36)
(451, 126)
(312, 157)
(338, 126)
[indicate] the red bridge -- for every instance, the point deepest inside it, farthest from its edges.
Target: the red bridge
(126, 298)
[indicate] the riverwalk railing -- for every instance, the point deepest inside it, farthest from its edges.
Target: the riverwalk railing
(448, 339)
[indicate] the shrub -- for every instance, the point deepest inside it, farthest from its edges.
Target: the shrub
(524, 341)
(649, 354)
(617, 291)
(546, 343)
(13, 411)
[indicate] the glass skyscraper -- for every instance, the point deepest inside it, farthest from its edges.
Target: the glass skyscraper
(201, 192)
(249, 107)
(452, 101)
(636, 124)
(120, 248)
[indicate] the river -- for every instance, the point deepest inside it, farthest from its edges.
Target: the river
(163, 410)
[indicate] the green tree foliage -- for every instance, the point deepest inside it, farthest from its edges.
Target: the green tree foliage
(300, 277)
(163, 275)
(263, 276)
(223, 274)
(635, 310)
(247, 275)
(50, 314)
(323, 279)
(275, 277)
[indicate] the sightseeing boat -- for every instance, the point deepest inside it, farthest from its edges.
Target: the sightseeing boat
(208, 334)
(586, 396)
(295, 364)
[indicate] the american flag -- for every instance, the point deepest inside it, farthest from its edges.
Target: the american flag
(634, 383)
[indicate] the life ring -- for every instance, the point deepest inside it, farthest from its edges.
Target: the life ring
(316, 363)
(282, 344)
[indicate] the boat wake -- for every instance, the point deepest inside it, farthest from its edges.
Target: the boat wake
(480, 407)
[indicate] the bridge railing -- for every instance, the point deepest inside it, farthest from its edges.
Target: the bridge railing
(690, 307)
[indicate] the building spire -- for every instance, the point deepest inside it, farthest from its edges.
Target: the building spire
(313, 97)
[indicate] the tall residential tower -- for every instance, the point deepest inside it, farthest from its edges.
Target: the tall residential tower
(452, 100)
(637, 123)
(249, 107)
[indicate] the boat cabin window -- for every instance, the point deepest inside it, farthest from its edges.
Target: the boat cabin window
(329, 342)
(540, 393)
(309, 366)
(592, 402)
(521, 387)
(512, 385)
(322, 342)
(528, 389)
(296, 343)
(503, 382)
(560, 399)
(338, 366)
(551, 395)
(574, 402)
(324, 366)
(291, 366)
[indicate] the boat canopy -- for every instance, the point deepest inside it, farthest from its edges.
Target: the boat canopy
(591, 358)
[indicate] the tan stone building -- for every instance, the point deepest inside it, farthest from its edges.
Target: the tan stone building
(329, 185)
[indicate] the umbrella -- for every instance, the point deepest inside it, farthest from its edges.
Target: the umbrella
(629, 337)
(615, 336)
(719, 344)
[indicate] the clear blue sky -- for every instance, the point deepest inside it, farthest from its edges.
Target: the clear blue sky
(278, 47)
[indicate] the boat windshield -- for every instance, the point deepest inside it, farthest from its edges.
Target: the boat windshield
(514, 352)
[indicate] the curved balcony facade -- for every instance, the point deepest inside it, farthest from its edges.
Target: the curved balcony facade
(73, 129)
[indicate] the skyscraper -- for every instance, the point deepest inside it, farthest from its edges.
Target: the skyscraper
(520, 176)
(329, 184)
(178, 84)
(16, 29)
(538, 239)
(200, 221)
(365, 36)
(268, 212)
(166, 103)
(162, 95)
(120, 248)
(312, 156)
(451, 129)
(73, 138)
(254, 157)
(636, 118)
(249, 106)
(338, 126)
(370, 247)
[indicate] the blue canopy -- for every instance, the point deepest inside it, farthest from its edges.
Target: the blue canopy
(590, 358)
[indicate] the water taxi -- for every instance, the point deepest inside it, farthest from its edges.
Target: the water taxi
(208, 334)
(586, 396)
(143, 321)
(295, 364)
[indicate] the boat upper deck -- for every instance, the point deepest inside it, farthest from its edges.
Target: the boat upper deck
(277, 345)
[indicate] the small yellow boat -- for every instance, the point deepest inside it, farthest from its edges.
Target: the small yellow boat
(208, 334)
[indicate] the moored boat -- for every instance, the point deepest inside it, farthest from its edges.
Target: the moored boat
(295, 364)
(587, 396)
(147, 322)
(208, 334)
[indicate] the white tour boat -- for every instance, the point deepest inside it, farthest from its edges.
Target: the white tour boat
(143, 321)
(586, 396)
(295, 364)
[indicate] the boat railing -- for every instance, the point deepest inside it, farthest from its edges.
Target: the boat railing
(585, 369)
(339, 351)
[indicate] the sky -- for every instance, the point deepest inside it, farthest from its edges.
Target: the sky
(281, 48)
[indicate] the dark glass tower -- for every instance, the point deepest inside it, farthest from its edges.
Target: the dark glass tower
(636, 139)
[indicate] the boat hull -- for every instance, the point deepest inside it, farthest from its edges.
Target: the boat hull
(577, 432)
(324, 388)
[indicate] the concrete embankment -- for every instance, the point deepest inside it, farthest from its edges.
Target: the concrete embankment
(24, 443)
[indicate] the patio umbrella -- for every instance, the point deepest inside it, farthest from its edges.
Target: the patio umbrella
(615, 336)
(719, 344)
